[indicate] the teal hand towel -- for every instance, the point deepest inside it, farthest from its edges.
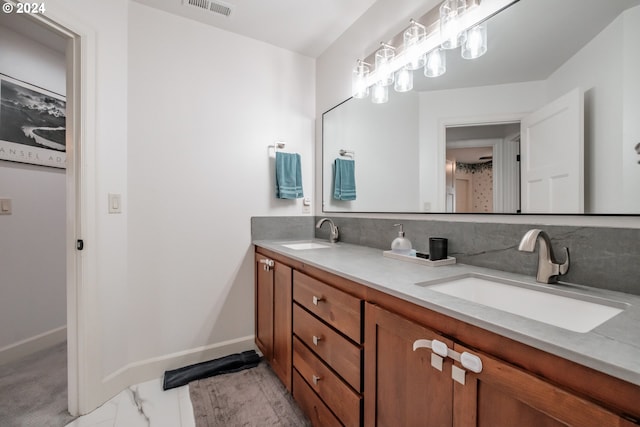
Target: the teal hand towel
(288, 176)
(344, 179)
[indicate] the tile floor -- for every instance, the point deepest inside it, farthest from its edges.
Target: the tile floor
(144, 405)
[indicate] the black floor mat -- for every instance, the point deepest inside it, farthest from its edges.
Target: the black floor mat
(224, 365)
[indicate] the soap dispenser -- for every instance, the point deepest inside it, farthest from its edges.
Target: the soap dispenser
(400, 244)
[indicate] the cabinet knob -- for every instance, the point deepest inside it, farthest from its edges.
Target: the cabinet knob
(316, 339)
(316, 300)
(316, 379)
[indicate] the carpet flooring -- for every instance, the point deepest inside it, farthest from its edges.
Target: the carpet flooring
(251, 398)
(33, 390)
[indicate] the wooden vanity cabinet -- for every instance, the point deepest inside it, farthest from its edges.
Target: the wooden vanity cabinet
(503, 395)
(273, 297)
(403, 388)
(345, 352)
(327, 357)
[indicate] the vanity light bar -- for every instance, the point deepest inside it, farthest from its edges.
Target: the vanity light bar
(477, 12)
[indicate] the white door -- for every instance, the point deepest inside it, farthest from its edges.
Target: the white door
(552, 157)
(463, 195)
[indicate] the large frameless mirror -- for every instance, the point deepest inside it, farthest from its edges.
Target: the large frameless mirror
(546, 121)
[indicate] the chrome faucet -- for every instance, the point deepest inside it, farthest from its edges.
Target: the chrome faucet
(333, 233)
(548, 268)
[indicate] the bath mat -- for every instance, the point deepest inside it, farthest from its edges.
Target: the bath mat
(252, 397)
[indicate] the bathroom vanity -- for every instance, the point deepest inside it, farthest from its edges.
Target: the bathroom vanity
(358, 339)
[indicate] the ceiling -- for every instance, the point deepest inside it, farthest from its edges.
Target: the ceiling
(528, 29)
(308, 27)
(303, 26)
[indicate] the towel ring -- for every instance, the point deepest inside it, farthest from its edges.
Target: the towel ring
(278, 145)
(347, 153)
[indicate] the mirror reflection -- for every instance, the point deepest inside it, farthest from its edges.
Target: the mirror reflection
(557, 89)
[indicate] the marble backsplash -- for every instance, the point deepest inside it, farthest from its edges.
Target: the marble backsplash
(607, 258)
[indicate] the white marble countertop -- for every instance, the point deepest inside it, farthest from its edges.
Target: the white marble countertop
(612, 347)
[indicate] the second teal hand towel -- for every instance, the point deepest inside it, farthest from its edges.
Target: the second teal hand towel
(344, 180)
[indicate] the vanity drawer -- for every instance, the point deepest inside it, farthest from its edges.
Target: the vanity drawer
(339, 397)
(338, 352)
(337, 308)
(311, 404)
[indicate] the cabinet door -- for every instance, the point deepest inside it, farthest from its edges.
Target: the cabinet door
(401, 386)
(264, 305)
(505, 396)
(282, 333)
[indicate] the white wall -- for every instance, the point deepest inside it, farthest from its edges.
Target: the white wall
(383, 20)
(182, 134)
(383, 137)
(32, 246)
(607, 69)
(631, 111)
(179, 116)
(204, 104)
(597, 70)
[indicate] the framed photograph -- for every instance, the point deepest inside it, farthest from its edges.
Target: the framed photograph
(32, 124)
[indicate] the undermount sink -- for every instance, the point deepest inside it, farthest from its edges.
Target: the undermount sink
(306, 245)
(565, 309)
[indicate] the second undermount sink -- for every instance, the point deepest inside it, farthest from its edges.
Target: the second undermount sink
(306, 245)
(565, 309)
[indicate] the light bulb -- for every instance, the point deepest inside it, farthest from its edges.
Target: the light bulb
(451, 32)
(476, 44)
(384, 56)
(359, 88)
(413, 37)
(380, 93)
(404, 80)
(436, 63)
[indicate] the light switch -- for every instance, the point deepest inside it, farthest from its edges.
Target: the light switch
(306, 205)
(115, 203)
(5, 206)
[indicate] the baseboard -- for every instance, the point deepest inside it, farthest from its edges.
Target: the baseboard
(32, 345)
(149, 369)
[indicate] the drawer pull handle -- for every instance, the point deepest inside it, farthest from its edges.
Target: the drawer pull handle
(316, 300)
(316, 339)
(316, 379)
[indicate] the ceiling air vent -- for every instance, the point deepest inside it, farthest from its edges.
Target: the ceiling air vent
(210, 6)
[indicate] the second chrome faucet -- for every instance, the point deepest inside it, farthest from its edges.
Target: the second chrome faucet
(333, 231)
(548, 268)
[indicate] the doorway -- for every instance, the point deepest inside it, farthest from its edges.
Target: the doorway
(44, 28)
(482, 166)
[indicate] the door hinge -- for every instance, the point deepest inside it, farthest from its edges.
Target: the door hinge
(79, 244)
(517, 157)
